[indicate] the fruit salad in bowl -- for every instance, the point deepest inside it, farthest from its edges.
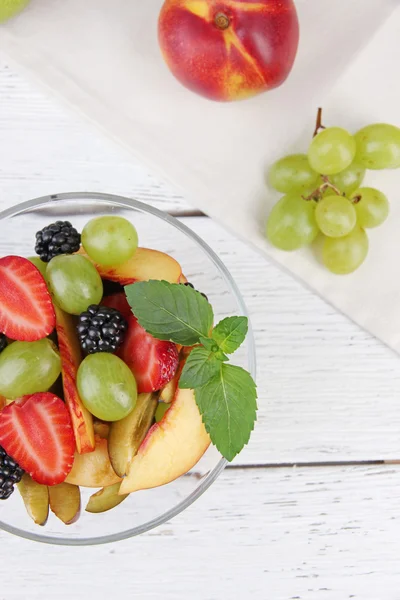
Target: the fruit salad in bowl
(120, 397)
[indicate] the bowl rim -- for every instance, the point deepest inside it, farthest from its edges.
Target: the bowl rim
(131, 203)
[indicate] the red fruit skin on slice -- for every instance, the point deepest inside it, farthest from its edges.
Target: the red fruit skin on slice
(119, 302)
(153, 362)
(36, 431)
(26, 309)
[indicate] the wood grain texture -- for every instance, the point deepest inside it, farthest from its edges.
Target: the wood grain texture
(45, 149)
(279, 534)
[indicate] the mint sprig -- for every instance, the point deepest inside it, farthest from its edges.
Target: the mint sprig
(225, 394)
(170, 311)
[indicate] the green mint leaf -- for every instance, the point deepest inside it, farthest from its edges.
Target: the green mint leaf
(169, 311)
(210, 344)
(200, 366)
(228, 405)
(221, 356)
(230, 333)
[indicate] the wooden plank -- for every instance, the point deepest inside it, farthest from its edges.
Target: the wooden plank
(305, 534)
(46, 149)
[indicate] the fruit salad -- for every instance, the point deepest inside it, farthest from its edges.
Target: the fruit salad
(108, 361)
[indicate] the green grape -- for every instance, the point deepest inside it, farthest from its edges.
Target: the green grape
(373, 208)
(74, 282)
(39, 264)
(291, 223)
(332, 151)
(378, 146)
(350, 179)
(107, 386)
(28, 367)
(335, 216)
(344, 255)
(292, 174)
(161, 410)
(109, 241)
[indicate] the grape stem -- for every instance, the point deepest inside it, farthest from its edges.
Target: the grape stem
(318, 125)
(317, 194)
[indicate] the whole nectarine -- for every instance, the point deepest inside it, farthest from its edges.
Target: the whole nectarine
(229, 49)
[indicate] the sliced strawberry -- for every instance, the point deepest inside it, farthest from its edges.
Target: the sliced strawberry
(26, 309)
(36, 431)
(153, 362)
(119, 302)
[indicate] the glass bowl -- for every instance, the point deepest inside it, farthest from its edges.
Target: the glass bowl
(147, 509)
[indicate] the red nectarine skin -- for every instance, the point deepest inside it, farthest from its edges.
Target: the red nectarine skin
(70, 353)
(229, 49)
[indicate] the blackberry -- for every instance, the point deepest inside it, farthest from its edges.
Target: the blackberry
(3, 342)
(101, 329)
(193, 288)
(10, 473)
(58, 238)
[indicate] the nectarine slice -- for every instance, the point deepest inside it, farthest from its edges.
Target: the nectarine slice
(145, 264)
(71, 357)
(171, 448)
(127, 435)
(93, 469)
(36, 499)
(105, 499)
(65, 502)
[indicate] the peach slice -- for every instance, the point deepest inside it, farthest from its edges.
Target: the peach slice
(127, 435)
(105, 499)
(36, 499)
(171, 448)
(94, 468)
(71, 357)
(65, 502)
(145, 264)
(182, 279)
(168, 392)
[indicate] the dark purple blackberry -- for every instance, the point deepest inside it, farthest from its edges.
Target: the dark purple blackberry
(193, 288)
(3, 342)
(58, 238)
(10, 473)
(101, 329)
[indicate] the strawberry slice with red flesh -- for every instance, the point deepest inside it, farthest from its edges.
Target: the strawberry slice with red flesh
(36, 431)
(153, 362)
(26, 309)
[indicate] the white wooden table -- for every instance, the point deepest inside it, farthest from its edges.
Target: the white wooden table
(311, 508)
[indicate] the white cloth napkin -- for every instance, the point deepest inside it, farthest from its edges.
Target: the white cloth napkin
(102, 57)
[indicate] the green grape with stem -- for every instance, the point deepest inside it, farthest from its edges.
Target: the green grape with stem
(331, 151)
(372, 207)
(335, 216)
(349, 179)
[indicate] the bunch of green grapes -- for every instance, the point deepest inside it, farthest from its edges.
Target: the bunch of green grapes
(323, 194)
